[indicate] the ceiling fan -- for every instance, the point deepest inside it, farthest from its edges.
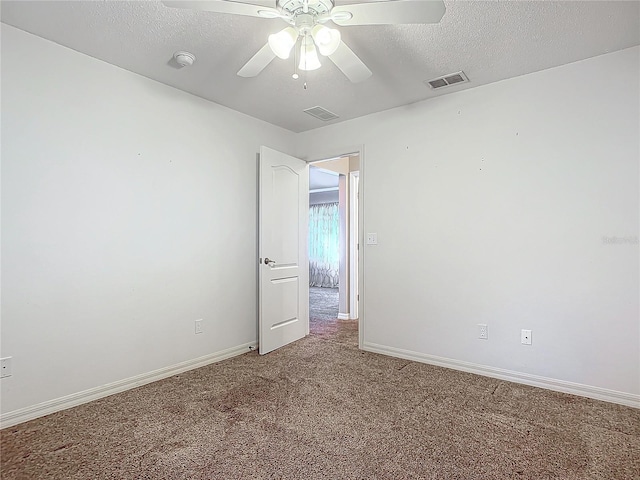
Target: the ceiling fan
(308, 25)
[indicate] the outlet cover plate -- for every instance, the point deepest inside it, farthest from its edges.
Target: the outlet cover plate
(198, 326)
(483, 331)
(525, 337)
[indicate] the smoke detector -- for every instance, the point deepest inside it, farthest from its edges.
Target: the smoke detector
(184, 59)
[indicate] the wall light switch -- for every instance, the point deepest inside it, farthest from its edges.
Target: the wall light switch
(372, 238)
(525, 337)
(199, 326)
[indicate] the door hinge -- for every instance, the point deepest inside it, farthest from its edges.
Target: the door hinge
(260, 260)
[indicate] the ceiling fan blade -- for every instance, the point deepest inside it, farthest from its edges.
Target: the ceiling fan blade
(226, 6)
(388, 13)
(347, 61)
(258, 62)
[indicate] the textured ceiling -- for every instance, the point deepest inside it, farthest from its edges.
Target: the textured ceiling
(490, 41)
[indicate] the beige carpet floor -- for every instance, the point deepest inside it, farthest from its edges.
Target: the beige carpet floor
(322, 409)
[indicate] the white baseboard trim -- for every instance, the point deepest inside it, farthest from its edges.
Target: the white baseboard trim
(597, 393)
(57, 404)
(344, 316)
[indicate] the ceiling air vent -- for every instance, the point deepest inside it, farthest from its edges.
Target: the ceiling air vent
(446, 80)
(321, 113)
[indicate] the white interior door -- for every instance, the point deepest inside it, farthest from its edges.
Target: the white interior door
(284, 263)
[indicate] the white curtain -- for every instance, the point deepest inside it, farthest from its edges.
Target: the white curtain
(324, 246)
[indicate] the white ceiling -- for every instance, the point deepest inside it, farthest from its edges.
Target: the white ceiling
(319, 178)
(490, 41)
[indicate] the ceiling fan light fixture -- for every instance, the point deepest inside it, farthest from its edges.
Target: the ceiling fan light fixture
(282, 42)
(308, 55)
(327, 39)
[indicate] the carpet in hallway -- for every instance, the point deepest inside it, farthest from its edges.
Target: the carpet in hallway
(323, 303)
(323, 317)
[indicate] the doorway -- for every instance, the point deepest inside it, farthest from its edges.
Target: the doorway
(333, 246)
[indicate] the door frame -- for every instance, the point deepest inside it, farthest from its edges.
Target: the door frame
(354, 243)
(324, 154)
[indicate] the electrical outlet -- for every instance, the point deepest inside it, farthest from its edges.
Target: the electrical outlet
(525, 337)
(483, 331)
(372, 238)
(198, 326)
(5, 367)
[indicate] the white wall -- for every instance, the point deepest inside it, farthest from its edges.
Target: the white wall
(128, 212)
(491, 206)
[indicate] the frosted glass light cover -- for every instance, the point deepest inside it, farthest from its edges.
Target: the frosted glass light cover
(327, 39)
(308, 56)
(282, 42)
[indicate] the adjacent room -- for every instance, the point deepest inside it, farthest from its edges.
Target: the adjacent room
(324, 248)
(316, 239)
(333, 244)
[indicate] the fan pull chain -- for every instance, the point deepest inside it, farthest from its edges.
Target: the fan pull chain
(304, 42)
(295, 75)
(305, 80)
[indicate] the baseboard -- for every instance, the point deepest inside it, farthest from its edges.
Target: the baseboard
(597, 393)
(51, 406)
(344, 316)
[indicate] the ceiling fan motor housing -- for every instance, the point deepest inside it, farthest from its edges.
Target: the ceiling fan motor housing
(304, 22)
(296, 8)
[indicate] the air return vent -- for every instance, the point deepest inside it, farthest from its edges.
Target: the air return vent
(321, 113)
(446, 80)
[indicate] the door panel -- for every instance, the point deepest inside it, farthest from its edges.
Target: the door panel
(284, 280)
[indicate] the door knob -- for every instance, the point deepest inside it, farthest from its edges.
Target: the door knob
(267, 261)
